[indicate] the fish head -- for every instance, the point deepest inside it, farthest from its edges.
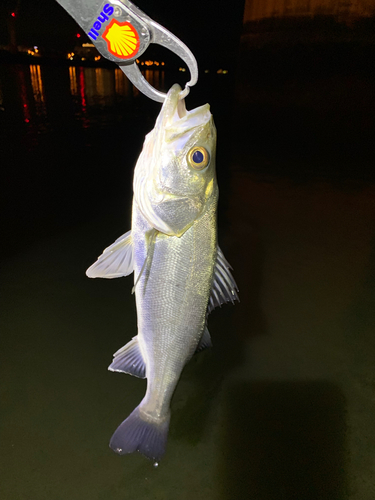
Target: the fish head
(175, 177)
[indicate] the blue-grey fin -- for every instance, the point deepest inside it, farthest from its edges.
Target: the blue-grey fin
(149, 437)
(224, 288)
(115, 261)
(129, 360)
(205, 342)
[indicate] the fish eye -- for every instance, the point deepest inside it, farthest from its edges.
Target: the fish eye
(198, 157)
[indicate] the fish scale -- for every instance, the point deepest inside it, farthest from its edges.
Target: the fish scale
(171, 325)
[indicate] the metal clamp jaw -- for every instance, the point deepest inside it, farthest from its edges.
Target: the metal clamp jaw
(121, 33)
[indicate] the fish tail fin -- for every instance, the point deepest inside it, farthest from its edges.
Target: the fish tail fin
(135, 433)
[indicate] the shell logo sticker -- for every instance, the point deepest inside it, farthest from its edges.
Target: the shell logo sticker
(122, 39)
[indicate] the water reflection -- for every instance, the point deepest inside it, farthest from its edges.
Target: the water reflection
(38, 90)
(45, 99)
(77, 91)
(154, 78)
(122, 84)
(73, 80)
(82, 98)
(101, 87)
(24, 98)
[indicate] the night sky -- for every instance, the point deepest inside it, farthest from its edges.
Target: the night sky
(211, 30)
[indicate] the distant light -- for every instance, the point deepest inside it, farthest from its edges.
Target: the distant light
(142, 63)
(182, 69)
(27, 120)
(71, 58)
(225, 71)
(88, 45)
(13, 14)
(137, 61)
(78, 35)
(206, 70)
(219, 71)
(83, 58)
(162, 63)
(35, 47)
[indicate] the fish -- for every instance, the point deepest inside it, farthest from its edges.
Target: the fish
(180, 273)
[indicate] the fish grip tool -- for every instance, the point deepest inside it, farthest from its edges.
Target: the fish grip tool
(121, 33)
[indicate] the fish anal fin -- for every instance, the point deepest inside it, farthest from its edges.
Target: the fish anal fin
(129, 360)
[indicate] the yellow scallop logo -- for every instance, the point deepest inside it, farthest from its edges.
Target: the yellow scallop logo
(122, 39)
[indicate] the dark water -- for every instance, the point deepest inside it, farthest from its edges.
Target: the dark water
(70, 138)
(282, 407)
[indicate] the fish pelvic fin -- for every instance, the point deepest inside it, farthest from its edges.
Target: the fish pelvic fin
(115, 261)
(139, 433)
(129, 360)
(224, 288)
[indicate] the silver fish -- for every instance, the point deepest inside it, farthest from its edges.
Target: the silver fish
(180, 273)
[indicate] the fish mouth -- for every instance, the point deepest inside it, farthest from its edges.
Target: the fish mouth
(177, 119)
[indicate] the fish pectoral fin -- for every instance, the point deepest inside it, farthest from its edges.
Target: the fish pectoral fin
(205, 342)
(129, 360)
(151, 237)
(224, 288)
(116, 260)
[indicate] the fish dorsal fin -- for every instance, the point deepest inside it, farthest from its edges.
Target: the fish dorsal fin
(224, 288)
(129, 360)
(115, 261)
(205, 341)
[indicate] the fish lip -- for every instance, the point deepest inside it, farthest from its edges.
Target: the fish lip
(180, 117)
(194, 118)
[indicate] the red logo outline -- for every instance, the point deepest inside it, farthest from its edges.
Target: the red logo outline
(113, 44)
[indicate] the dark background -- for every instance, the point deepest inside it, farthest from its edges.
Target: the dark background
(282, 407)
(211, 32)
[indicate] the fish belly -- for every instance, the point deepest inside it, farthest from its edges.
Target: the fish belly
(171, 297)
